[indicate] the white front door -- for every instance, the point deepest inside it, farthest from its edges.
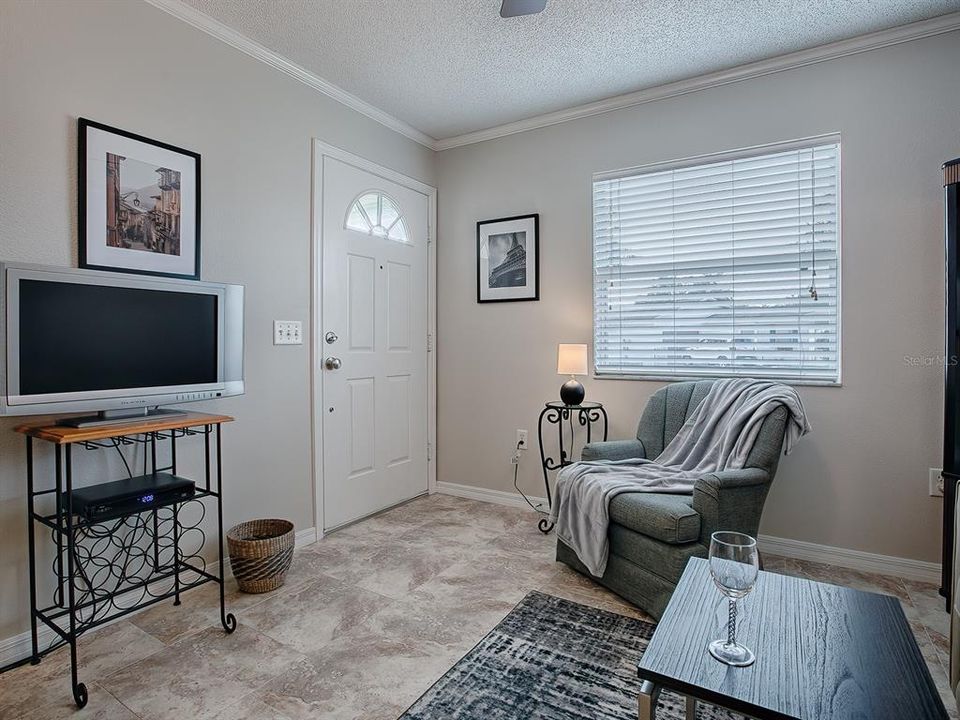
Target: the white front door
(374, 343)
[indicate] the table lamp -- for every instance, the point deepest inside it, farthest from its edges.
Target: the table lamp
(572, 361)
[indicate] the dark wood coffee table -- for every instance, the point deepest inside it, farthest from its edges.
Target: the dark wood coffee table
(823, 653)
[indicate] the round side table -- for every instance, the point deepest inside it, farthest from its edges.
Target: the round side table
(586, 415)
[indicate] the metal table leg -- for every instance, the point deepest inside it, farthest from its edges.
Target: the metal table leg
(545, 464)
(31, 544)
(647, 702)
(228, 621)
(691, 708)
(80, 695)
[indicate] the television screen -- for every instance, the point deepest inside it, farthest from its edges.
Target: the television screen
(76, 337)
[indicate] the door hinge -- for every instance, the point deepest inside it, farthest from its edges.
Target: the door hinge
(429, 452)
(429, 342)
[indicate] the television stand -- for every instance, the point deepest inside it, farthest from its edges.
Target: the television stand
(107, 568)
(106, 418)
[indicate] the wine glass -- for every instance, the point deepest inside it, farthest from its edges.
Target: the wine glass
(734, 563)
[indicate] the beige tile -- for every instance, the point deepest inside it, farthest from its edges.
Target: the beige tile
(199, 609)
(444, 532)
(335, 557)
(100, 653)
(306, 693)
(525, 539)
(927, 648)
(946, 694)
(448, 509)
(598, 597)
(400, 568)
(928, 607)
(100, 706)
(389, 524)
(316, 613)
(781, 565)
(941, 644)
(362, 675)
(490, 576)
(335, 548)
(114, 647)
(249, 708)
(870, 582)
(200, 675)
(417, 620)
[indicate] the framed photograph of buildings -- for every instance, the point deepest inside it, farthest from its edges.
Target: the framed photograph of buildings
(508, 259)
(139, 204)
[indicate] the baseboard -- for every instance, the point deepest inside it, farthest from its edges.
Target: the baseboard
(304, 537)
(19, 646)
(13, 649)
(796, 549)
(497, 497)
(851, 559)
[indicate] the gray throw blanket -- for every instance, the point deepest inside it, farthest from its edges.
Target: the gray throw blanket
(718, 435)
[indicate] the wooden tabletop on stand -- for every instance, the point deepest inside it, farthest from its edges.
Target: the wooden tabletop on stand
(63, 435)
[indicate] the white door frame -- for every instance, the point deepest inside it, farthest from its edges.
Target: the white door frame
(321, 150)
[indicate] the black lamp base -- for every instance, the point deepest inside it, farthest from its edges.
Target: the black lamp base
(572, 392)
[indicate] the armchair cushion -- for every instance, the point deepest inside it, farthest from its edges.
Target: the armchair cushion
(613, 450)
(667, 518)
(730, 500)
(660, 559)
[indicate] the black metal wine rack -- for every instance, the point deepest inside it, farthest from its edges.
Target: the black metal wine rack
(108, 569)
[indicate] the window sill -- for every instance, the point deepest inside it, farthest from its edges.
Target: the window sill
(691, 378)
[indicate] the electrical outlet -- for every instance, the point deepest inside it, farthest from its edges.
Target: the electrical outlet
(287, 332)
(936, 482)
(521, 439)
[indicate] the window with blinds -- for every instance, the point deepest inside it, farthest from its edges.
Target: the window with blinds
(720, 267)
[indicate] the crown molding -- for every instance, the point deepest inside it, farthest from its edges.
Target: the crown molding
(215, 28)
(802, 58)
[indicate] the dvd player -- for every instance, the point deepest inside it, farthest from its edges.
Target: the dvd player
(111, 500)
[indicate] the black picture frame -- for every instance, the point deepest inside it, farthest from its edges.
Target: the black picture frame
(488, 294)
(85, 256)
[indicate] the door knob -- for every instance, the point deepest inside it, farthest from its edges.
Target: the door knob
(332, 363)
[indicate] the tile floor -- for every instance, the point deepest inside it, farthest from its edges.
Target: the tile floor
(369, 618)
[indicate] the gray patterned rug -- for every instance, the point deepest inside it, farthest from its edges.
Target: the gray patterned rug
(551, 659)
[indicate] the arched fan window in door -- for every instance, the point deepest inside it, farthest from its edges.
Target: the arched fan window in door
(374, 213)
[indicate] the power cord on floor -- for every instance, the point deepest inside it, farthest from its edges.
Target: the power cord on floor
(515, 461)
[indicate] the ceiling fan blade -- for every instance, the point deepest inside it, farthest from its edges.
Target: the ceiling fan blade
(513, 8)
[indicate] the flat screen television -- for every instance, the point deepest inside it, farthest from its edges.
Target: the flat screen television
(120, 345)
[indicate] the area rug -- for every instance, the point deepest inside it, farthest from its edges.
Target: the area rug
(552, 659)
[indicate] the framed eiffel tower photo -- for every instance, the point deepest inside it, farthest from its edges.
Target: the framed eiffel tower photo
(508, 259)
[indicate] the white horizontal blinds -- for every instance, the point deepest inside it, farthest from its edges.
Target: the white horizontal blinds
(725, 268)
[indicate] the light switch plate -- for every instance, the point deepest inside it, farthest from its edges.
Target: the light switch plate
(287, 332)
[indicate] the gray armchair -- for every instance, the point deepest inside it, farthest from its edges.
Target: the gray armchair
(652, 536)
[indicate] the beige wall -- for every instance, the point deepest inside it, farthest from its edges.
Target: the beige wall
(132, 66)
(860, 480)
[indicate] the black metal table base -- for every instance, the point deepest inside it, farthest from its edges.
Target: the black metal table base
(108, 569)
(557, 413)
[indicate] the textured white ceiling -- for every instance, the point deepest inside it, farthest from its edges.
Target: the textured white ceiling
(448, 67)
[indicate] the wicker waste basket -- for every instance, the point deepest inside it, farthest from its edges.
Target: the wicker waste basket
(260, 553)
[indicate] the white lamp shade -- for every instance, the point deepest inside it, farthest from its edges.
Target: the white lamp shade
(571, 359)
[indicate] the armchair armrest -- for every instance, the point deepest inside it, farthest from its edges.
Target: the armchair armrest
(613, 450)
(730, 500)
